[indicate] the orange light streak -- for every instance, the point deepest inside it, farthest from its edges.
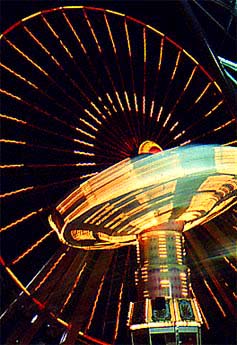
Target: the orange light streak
(17, 281)
(19, 76)
(26, 57)
(92, 116)
(56, 36)
(29, 250)
(92, 31)
(73, 287)
(161, 53)
(224, 125)
(176, 65)
(199, 307)
(5, 92)
(37, 108)
(214, 297)
(95, 304)
(85, 133)
(74, 32)
(214, 108)
(167, 119)
(110, 33)
(50, 271)
(159, 114)
(20, 220)
(128, 39)
(2, 196)
(42, 46)
(230, 264)
(174, 126)
(118, 314)
(203, 92)
(13, 119)
(89, 125)
(190, 78)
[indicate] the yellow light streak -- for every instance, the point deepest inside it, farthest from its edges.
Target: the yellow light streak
(152, 108)
(114, 12)
(174, 126)
(89, 125)
(119, 100)
(17, 281)
(159, 114)
(92, 116)
(126, 97)
(29, 250)
(191, 57)
(179, 135)
(155, 30)
(21, 220)
(135, 100)
(12, 166)
(167, 119)
(83, 142)
(8, 141)
(85, 133)
(84, 153)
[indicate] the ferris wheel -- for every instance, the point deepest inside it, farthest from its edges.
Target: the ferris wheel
(82, 89)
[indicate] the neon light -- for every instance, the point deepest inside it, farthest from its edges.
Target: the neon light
(50, 271)
(73, 287)
(21, 220)
(29, 250)
(26, 57)
(26, 189)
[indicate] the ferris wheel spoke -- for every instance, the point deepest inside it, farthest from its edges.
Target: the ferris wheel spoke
(22, 219)
(200, 308)
(230, 263)
(34, 86)
(105, 105)
(31, 248)
(36, 108)
(127, 118)
(70, 56)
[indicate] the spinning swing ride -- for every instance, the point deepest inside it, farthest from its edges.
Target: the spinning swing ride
(106, 106)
